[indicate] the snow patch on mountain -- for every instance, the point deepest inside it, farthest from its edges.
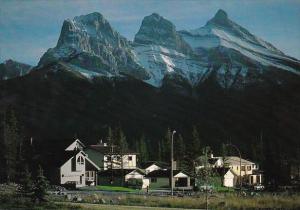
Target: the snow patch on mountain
(159, 61)
(222, 32)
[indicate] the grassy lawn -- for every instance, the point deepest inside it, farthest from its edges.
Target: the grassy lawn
(114, 207)
(110, 188)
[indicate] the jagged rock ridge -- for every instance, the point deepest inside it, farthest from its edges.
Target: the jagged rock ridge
(221, 49)
(10, 69)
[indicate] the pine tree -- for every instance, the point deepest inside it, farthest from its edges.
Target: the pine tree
(195, 144)
(142, 149)
(179, 150)
(159, 152)
(193, 151)
(120, 140)
(110, 137)
(40, 186)
(166, 146)
(11, 146)
(26, 183)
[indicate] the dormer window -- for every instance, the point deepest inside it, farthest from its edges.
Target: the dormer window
(80, 160)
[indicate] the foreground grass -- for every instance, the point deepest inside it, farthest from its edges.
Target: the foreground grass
(110, 188)
(116, 207)
(216, 202)
(10, 199)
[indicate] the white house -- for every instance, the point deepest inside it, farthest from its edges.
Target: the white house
(77, 168)
(140, 175)
(248, 170)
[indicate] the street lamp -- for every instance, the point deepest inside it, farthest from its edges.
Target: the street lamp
(173, 133)
(237, 149)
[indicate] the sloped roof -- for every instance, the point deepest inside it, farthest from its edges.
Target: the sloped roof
(147, 164)
(221, 171)
(234, 160)
(95, 156)
(163, 173)
(68, 155)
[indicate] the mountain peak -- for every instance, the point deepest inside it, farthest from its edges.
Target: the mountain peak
(220, 18)
(221, 14)
(157, 30)
(90, 18)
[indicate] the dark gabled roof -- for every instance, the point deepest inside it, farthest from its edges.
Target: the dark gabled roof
(95, 156)
(163, 173)
(221, 171)
(66, 156)
(163, 165)
(212, 161)
(115, 172)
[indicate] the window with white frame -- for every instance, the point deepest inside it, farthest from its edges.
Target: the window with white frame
(80, 160)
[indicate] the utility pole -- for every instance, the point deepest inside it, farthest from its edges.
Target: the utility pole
(172, 139)
(206, 182)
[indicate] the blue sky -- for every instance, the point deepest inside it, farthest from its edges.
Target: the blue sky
(29, 27)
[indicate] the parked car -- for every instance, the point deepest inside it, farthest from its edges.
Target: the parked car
(259, 187)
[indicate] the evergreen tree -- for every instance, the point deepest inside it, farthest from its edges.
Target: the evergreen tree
(26, 183)
(120, 139)
(195, 144)
(11, 146)
(159, 152)
(110, 137)
(2, 151)
(142, 149)
(166, 146)
(193, 151)
(179, 151)
(40, 186)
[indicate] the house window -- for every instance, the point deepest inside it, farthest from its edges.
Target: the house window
(243, 168)
(80, 160)
(153, 180)
(130, 158)
(248, 168)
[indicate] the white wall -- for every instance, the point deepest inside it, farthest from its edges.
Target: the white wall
(229, 180)
(66, 173)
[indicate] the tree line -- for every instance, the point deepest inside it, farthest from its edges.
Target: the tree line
(16, 155)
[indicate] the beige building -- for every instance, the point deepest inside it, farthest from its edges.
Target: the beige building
(234, 168)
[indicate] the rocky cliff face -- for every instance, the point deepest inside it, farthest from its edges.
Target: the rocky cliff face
(222, 50)
(93, 47)
(156, 30)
